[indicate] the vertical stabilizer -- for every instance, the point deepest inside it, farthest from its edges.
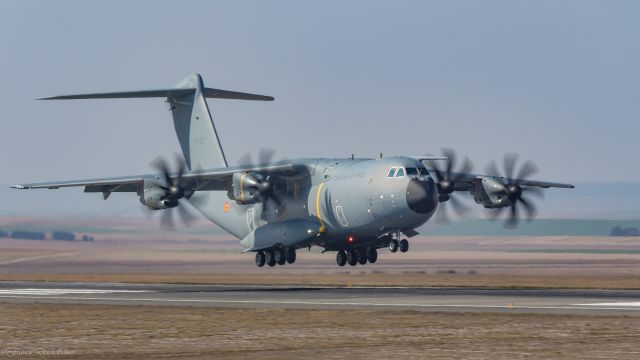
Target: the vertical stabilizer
(194, 126)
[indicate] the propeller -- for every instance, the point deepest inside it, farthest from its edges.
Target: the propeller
(447, 178)
(178, 191)
(515, 193)
(265, 188)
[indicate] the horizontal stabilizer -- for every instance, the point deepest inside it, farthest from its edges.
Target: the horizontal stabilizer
(172, 92)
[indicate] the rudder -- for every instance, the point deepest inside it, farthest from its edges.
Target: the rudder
(194, 126)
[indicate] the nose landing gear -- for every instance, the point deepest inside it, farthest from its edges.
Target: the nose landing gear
(395, 245)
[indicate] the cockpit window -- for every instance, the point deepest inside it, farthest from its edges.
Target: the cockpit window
(400, 172)
(412, 171)
(392, 172)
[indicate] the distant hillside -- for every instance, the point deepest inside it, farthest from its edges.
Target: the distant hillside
(541, 227)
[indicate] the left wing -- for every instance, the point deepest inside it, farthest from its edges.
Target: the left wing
(213, 179)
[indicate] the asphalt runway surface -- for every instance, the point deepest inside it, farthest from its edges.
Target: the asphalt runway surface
(587, 302)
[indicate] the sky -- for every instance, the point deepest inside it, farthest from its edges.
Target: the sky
(555, 81)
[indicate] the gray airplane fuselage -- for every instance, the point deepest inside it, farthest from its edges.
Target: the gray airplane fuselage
(355, 201)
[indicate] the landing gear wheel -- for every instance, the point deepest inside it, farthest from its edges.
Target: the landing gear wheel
(279, 256)
(259, 259)
(372, 255)
(393, 246)
(291, 255)
(362, 256)
(341, 258)
(352, 258)
(404, 245)
(269, 258)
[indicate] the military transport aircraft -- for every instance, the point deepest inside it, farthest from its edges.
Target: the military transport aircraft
(351, 206)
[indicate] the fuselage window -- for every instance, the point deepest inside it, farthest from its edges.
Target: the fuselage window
(392, 172)
(412, 171)
(400, 172)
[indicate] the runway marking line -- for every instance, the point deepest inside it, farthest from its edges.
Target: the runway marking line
(46, 292)
(325, 303)
(613, 304)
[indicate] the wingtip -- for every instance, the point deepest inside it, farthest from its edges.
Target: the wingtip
(18, 186)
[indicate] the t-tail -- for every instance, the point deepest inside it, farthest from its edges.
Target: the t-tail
(192, 119)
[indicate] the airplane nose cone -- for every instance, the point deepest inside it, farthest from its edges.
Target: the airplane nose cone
(421, 196)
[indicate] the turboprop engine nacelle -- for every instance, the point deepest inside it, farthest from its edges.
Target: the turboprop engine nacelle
(490, 193)
(153, 196)
(247, 187)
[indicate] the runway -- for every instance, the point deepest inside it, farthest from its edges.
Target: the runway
(589, 302)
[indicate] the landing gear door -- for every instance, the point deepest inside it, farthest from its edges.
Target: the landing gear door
(251, 219)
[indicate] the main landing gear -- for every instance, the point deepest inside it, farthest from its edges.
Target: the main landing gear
(279, 256)
(356, 256)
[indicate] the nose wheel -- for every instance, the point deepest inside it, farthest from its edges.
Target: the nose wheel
(403, 245)
(393, 245)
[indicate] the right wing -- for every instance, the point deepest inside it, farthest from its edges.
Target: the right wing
(465, 180)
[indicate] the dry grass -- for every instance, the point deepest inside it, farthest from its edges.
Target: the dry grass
(107, 331)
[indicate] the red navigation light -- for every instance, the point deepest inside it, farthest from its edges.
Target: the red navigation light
(350, 239)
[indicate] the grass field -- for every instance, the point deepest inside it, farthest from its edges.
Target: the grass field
(136, 332)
